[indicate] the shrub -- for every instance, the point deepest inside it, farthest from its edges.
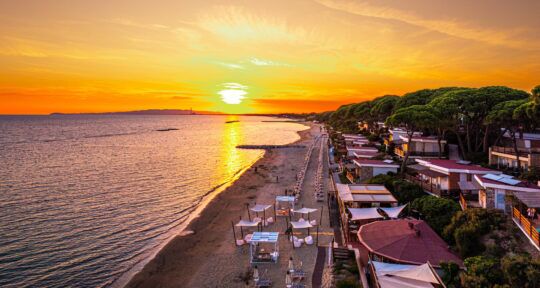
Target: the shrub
(437, 212)
(466, 228)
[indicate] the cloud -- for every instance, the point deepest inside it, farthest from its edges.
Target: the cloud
(237, 24)
(454, 28)
(231, 65)
(232, 85)
(262, 62)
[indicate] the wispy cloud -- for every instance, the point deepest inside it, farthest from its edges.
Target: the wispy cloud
(263, 62)
(231, 65)
(450, 27)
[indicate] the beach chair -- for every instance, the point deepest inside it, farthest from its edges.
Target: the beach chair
(240, 242)
(298, 243)
(248, 237)
(269, 220)
(309, 240)
(313, 222)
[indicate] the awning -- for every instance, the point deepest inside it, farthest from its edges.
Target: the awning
(285, 198)
(246, 223)
(260, 208)
(531, 199)
(468, 186)
(300, 224)
(304, 210)
(364, 213)
(432, 173)
(393, 212)
(264, 237)
(405, 276)
(420, 273)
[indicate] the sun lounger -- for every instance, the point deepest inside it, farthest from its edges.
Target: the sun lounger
(247, 238)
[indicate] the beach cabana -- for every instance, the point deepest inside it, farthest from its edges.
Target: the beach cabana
(301, 225)
(284, 204)
(260, 254)
(261, 208)
(307, 211)
(242, 224)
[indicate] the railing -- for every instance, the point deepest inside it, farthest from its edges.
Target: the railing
(399, 151)
(511, 151)
(462, 202)
(526, 225)
(426, 186)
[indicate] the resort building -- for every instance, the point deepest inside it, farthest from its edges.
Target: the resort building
(495, 189)
(389, 275)
(394, 136)
(405, 241)
(528, 147)
(420, 147)
(363, 196)
(361, 151)
(367, 168)
(441, 177)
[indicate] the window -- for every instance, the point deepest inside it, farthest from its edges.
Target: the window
(469, 177)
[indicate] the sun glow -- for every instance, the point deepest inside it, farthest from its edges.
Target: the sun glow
(233, 94)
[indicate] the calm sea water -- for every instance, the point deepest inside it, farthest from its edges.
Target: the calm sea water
(85, 198)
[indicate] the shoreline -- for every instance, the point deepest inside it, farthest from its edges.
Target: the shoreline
(181, 230)
(142, 274)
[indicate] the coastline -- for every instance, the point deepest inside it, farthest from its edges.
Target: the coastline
(175, 260)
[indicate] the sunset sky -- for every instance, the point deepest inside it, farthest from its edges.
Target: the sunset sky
(256, 56)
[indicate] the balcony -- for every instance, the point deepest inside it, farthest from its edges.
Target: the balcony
(525, 225)
(401, 152)
(523, 152)
(431, 188)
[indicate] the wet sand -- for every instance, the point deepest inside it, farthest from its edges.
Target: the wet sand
(209, 258)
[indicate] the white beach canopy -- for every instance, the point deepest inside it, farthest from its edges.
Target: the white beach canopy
(304, 210)
(283, 198)
(246, 223)
(300, 224)
(407, 276)
(393, 212)
(260, 208)
(364, 213)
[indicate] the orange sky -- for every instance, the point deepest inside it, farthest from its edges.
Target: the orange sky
(255, 56)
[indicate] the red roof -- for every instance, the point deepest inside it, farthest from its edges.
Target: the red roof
(397, 241)
(452, 164)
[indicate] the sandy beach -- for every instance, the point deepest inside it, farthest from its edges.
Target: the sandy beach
(209, 258)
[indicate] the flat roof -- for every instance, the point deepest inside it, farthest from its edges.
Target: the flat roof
(531, 199)
(364, 193)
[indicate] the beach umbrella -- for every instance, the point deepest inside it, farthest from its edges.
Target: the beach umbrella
(256, 274)
(288, 280)
(290, 267)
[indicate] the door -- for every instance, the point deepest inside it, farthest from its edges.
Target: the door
(499, 199)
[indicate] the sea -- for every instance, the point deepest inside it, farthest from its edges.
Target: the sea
(86, 198)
